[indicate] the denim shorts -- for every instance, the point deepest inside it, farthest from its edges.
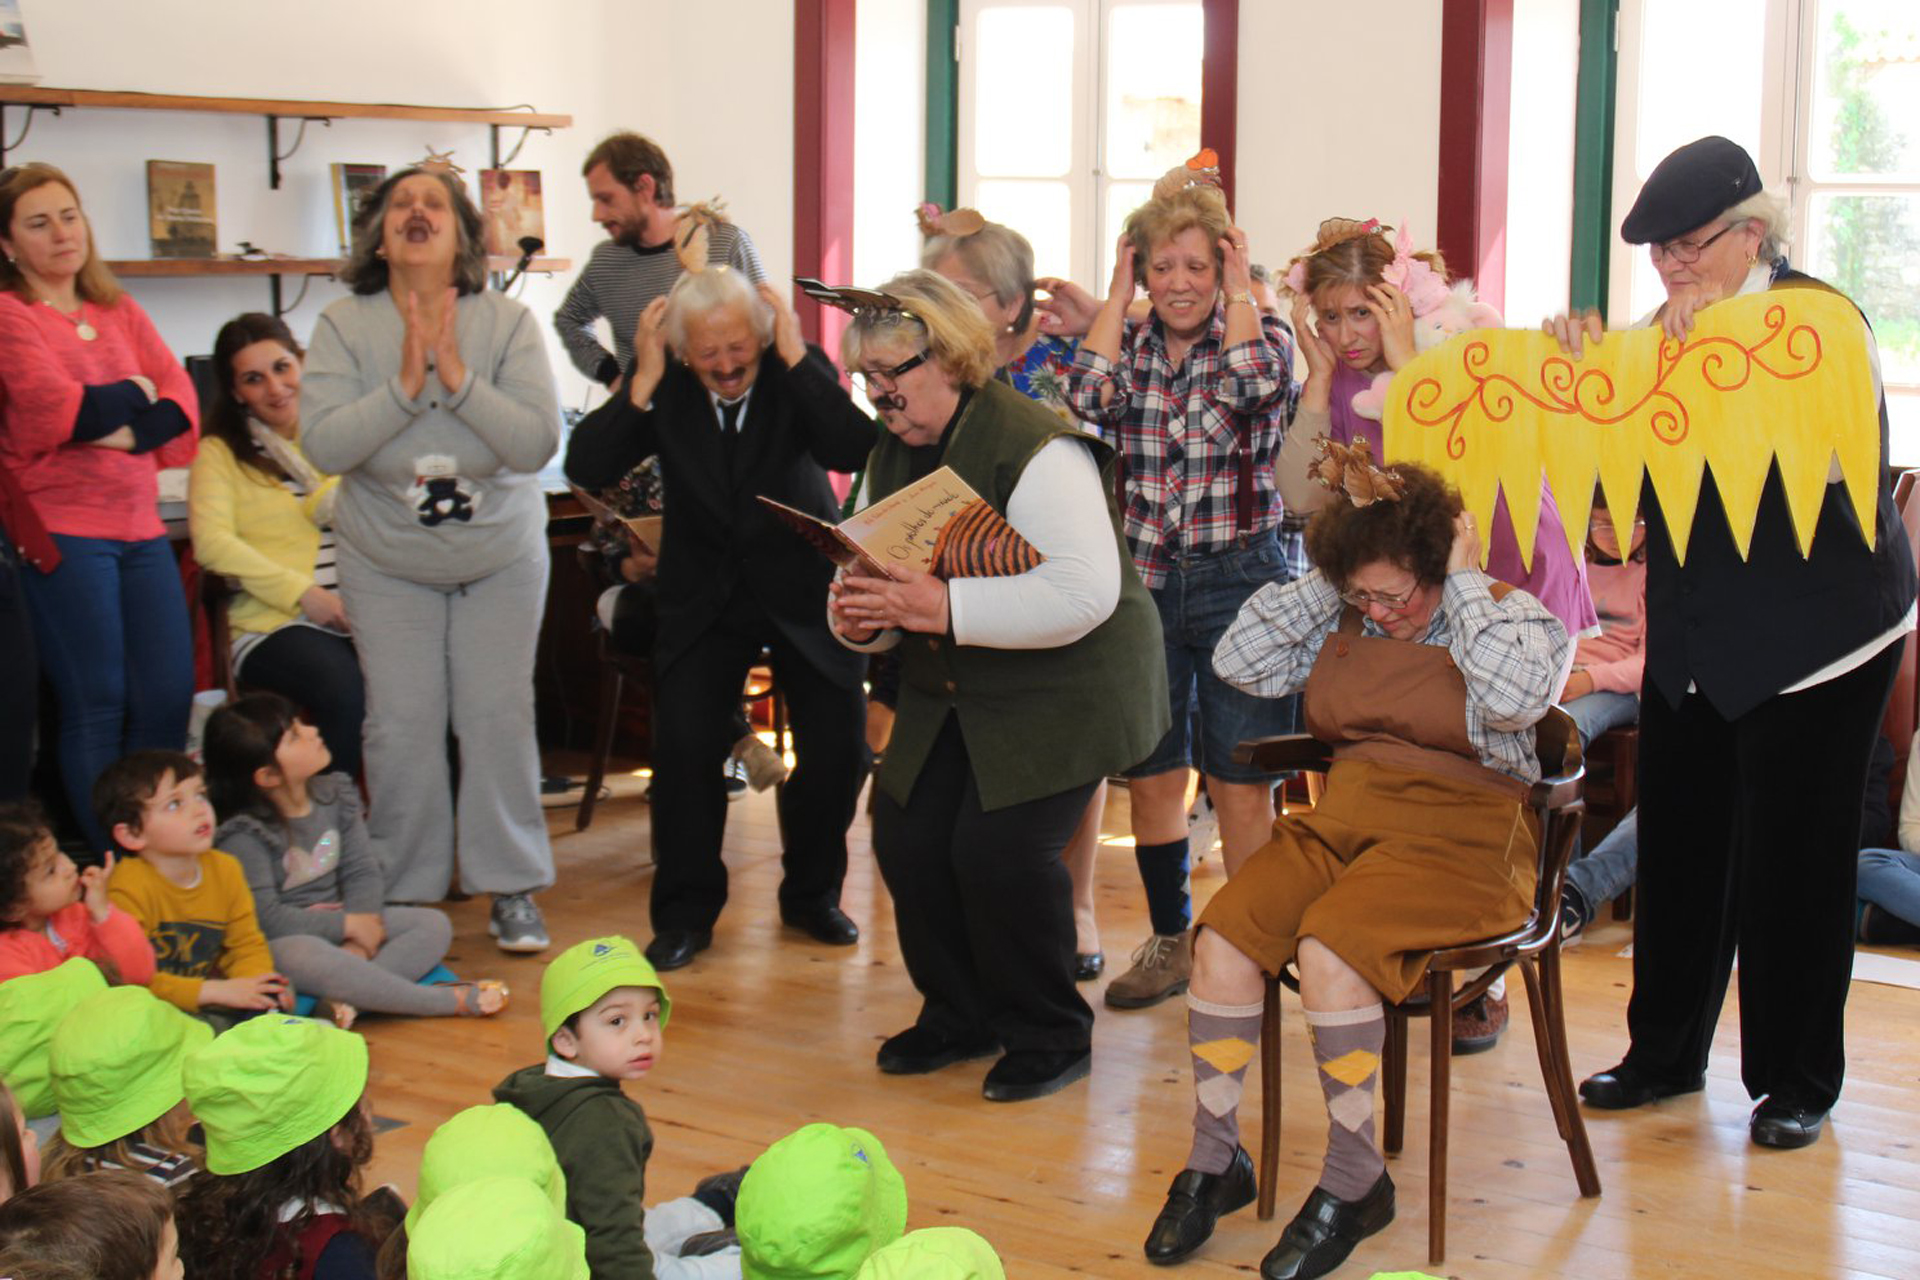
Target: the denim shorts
(1200, 598)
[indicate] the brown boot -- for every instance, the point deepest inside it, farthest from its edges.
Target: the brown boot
(1161, 967)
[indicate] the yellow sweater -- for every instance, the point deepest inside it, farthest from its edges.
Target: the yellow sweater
(248, 526)
(208, 931)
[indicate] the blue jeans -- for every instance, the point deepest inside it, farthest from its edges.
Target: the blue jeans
(1890, 880)
(1199, 600)
(1600, 711)
(1608, 871)
(111, 623)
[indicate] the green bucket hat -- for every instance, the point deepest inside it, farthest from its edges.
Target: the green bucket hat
(935, 1253)
(499, 1140)
(270, 1084)
(116, 1061)
(588, 970)
(816, 1204)
(31, 1006)
(498, 1228)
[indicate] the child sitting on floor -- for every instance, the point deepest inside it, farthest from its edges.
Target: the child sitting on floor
(191, 900)
(116, 1062)
(497, 1228)
(31, 1007)
(817, 1204)
(935, 1253)
(280, 1100)
(604, 1012)
(317, 888)
(50, 911)
(104, 1226)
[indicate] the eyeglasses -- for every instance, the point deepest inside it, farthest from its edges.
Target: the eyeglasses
(1686, 251)
(1385, 599)
(886, 379)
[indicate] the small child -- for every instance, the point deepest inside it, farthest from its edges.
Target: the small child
(191, 899)
(281, 1102)
(19, 1148)
(605, 1013)
(497, 1228)
(1603, 689)
(104, 1226)
(50, 911)
(934, 1253)
(116, 1063)
(317, 887)
(817, 1204)
(31, 1007)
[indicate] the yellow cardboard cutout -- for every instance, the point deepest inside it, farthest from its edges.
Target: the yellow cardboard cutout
(1776, 376)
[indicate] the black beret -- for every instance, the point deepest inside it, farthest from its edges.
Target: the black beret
(1689, 189)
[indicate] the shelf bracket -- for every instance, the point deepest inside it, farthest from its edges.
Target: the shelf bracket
(499, 161)
(275, 155)
(25, 128)
(273, 286)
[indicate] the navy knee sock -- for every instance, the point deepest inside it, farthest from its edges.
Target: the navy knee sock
(1163, 873)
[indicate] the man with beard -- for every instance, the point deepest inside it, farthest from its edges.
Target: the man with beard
(631, 183)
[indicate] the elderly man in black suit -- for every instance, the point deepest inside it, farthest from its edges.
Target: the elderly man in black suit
(738, 406)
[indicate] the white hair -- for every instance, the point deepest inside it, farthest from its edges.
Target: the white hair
(1775, 217)
(701, 292)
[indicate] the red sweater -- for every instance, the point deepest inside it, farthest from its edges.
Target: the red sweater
(82, 490)
(118, 938)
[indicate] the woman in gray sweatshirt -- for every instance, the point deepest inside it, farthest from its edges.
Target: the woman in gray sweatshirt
(432, 398)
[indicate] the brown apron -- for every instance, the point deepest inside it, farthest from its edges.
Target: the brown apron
(1415, 845)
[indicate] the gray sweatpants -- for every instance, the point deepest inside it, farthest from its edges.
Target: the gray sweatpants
(460, 655)
(417, 940)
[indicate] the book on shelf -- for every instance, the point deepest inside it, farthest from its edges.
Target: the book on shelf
(180, 209)
(511, 207)
(645, 528)
(16, 55)
(350, 183)
(937, 525)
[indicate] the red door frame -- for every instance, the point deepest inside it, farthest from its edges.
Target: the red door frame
(823, 113)
(1476, 93)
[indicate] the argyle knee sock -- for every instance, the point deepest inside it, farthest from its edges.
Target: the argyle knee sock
(1163, 874)
(1223, 1039)
(1346, 1048)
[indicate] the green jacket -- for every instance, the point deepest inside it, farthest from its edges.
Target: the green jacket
(1036, 721)
(602, 1141)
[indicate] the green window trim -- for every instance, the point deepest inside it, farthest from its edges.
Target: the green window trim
(1593, 154)
(943, 104)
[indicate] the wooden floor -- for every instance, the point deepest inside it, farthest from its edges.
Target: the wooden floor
(771, 1031)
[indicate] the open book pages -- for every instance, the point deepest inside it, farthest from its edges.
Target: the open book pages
(645, 528)
(937, 525)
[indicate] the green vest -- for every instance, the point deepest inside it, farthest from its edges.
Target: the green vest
(1036, 721)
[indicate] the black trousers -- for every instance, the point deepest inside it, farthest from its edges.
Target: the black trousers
(318, 672)
(19, 681)
(1749, 842)
(984, 905)
(696, 704)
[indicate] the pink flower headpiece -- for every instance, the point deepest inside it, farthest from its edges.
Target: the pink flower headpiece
(1426, 289)
(1334, 231)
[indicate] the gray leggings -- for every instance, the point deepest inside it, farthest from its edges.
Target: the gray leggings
(417, 940)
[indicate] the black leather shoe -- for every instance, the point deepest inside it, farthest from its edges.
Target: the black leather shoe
(1195, 1202)
(1325, 1230)
(918, 1050)
(1627, 1086)
(676, 948)
(1088, 965)
(823, 924)
(1034, 1074)
(1781, 1124)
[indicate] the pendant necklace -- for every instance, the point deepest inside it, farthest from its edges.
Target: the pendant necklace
(81, 329)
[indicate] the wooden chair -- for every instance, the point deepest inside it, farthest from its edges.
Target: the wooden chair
(1534, 948)
(1614, 798)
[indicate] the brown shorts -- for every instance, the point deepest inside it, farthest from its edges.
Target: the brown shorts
(1391, 866)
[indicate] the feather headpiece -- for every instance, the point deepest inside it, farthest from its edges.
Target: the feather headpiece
(440, 162)
(1350, 471)
(691, 232)
(1202, 170)
(957, 222)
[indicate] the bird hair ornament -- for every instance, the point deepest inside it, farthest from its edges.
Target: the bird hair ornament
(956, 222)
(692, 232)
(1202, 170)
(1351, 473)
(1333, 232)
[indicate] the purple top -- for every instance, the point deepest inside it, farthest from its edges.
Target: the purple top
(1558, 580)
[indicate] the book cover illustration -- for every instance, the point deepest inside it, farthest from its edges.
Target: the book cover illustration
(180, 206)
(645, 528)
(16, 55)
(937, 525)
(510, 204)
(350, 183)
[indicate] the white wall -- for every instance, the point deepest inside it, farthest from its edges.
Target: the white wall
(1546, 74)
(640, 64)
(889, 136)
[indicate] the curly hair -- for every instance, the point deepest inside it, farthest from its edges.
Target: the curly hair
(365, 271)
(1415, 533)
(1164, 217)
(1348, 253)
(229, 1223)
(22, 828)
(956, 330)
(101, 1226)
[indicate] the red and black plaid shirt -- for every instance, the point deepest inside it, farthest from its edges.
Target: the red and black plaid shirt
(1180, 433)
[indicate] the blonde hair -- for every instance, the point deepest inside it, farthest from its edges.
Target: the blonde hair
(95, 283)
(1162, 218)
(1773, 215)
(998, 257)
(1351, 253)
(957, 333)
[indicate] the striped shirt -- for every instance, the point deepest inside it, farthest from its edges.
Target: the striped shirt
(620, 280)
(1511, 653)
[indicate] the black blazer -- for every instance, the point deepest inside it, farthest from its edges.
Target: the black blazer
(717, 541)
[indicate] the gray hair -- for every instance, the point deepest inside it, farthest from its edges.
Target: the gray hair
(1775, 217)
(998, 257)
(365, 271)
(700, 292)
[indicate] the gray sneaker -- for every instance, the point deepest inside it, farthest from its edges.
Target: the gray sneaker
(516, 924)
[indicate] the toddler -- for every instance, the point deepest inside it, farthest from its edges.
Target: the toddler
(104, 1226)
(817, 1204)
(191, 899)
(50, 911)
(318, 890)
(934, 1253)
(497, 1228)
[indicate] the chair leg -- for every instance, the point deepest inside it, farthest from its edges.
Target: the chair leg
(1581, 1151)
(611, 683)
(1394, 1082)
(1269, 1100)
(1543, 1044)
(780, 735)
(1440, 993)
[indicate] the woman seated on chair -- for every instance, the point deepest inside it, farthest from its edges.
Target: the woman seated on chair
(1426, 677)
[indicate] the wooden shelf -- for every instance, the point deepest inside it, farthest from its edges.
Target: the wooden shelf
(293, 109)
(177, 267)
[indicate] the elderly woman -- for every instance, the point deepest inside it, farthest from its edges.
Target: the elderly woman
(743, 407)
(1195, 400)
(1725, 865)
(431, 398)
(1018, 694)
(260, 513)
(92, 406)
(1427, 677)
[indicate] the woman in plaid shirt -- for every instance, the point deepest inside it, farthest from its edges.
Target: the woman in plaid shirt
(1194, 397)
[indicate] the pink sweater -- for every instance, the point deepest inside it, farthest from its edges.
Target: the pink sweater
(118, 938)
(82, 490)
(1616, 657)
